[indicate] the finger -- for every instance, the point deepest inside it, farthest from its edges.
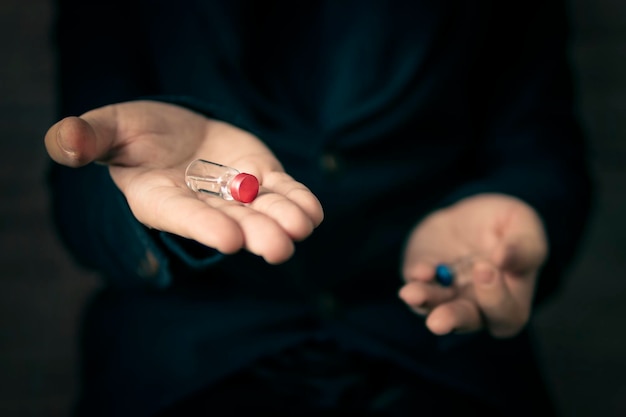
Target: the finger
(461, 315)
(224, 225)
(294, 221)
(263, 236)
(419, 271)
(75, 142)
(503, 314)
(423, 297)
(296, 192)
(178, 211)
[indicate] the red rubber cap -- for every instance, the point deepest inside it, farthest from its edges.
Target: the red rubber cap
(244, 187)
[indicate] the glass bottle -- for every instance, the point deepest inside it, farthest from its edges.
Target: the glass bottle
(447, 273)
(220, 180)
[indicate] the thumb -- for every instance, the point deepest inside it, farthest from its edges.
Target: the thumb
(77, 141)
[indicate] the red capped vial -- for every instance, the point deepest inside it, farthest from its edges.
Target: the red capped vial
(225, 182)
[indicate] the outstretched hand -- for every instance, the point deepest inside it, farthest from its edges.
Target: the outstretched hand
(499, 245)
(147, 146)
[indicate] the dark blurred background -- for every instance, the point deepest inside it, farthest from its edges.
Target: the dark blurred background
(580, 332)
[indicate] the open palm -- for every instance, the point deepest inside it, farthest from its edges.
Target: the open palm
(147, 146)
(500, 244)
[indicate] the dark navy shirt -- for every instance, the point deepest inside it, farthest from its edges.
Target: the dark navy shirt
(387, 110)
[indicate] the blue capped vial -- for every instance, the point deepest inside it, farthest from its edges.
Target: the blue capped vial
(447, 273)
(444, 275)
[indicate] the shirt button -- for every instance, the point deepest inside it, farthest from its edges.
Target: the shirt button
(329, 163)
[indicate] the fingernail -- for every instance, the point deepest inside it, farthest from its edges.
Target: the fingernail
(62, 142)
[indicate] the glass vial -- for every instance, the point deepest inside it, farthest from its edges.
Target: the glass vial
(220, 180)
(445, 274)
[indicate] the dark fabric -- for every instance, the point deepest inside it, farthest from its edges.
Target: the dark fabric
(321, 379)
(143, 351)
(419, 103)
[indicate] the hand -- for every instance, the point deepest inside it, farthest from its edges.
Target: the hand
(147, 146)
(500, 244)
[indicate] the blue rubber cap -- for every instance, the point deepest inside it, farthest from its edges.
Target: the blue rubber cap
(444, 275)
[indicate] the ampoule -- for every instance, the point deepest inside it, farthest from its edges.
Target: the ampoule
(220, 180)
(446, 273)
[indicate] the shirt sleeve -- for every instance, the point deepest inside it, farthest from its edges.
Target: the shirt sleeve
(101, 60)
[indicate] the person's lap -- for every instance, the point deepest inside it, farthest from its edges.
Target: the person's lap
(321, 380)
